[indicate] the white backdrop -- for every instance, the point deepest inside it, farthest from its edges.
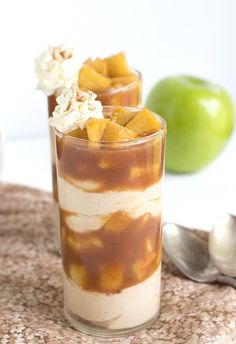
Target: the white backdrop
(160, 38)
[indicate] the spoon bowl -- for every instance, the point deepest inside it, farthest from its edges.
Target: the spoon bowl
(222, 244)
(190, 255)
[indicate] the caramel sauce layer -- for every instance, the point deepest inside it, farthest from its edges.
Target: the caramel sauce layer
(123, 253)
(132, 168)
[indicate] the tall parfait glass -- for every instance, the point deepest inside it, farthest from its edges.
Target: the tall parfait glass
(110, 200)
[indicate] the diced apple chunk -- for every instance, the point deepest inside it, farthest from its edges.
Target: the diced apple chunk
(84, 243)
(151, 171)
(95, 128)
(116, 133)
(144, 123)
(99, 65)
(123, 80)
(91, 80)
(144, 219)
(117, 222)
(140, 267)
(80, 133)
(72, 242)
(104, 163)
(117, 65)
(78, 274)
(148, 246)
(90, 242)
(137, 172)
(122, 116)
(111, 277)
(156, 171)
(139, 270)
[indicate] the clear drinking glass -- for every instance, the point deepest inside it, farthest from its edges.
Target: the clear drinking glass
(127, 95)
(110, 213)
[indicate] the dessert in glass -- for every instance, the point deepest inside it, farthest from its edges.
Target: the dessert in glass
(111, 78)
(110, 171)
(114, 82)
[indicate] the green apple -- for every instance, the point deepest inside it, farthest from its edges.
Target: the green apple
(199, 117)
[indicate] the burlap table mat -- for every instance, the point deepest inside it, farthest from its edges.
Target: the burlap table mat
(31, 289)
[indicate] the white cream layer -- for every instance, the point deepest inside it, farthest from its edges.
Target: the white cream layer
(83, 223)
(76, 200)
(131, 307)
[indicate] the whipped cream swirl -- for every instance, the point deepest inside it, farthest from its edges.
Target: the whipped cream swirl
(74, 108)
(56, 68)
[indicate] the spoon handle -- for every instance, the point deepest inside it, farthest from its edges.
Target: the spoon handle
(227, 280)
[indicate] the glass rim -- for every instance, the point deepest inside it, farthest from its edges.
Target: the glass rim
(123, 88)
(118, 144)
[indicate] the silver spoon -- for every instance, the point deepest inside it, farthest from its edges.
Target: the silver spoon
(190, 254)
(222, 244)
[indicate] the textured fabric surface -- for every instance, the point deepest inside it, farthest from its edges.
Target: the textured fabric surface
(31, 289)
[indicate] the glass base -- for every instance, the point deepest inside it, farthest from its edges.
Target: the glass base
(87, 328)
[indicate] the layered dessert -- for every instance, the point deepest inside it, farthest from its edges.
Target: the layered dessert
(110, 170)
(113, 80)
